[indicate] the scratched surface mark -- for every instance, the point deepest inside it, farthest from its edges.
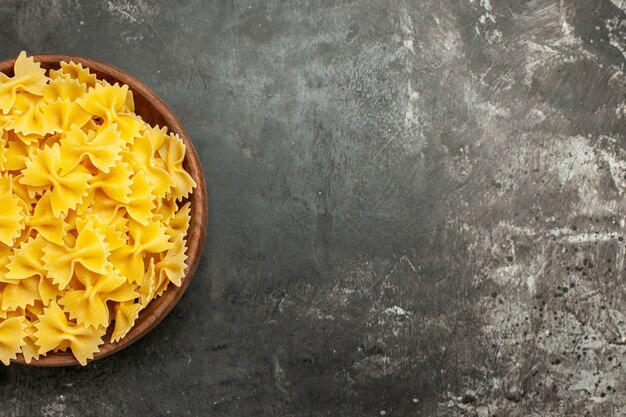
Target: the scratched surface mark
(416, 207)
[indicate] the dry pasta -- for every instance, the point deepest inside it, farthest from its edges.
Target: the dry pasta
(93, 221)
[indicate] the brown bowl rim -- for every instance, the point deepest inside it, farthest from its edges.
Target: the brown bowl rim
(159, 308)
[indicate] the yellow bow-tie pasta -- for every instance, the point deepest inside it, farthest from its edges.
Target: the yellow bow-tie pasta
(93, 222)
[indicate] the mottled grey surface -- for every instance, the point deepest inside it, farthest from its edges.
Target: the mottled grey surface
(416, 207)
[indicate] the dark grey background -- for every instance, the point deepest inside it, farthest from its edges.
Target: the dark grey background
(416, 207)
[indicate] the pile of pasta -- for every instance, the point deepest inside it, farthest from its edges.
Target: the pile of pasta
(93, 222)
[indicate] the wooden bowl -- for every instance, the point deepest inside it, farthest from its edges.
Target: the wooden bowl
(155, 112)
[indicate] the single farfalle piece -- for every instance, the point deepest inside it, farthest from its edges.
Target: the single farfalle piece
(55, 331)
(102, 148)
(44, 169)
(107, 102)
(43, 220)
(22, 293)
(125, 316)
(48, 291)
(173, 153)
(63, 89)
(165, 209)
(63, 114)
(141, 156)
(28, 119)
(172, 265)
(11, 218)
(89, 250)
(16, 153)
(26, 276)
(73, 71)
(21, 192)
(89, 306)
(128, 259)
(115, 183)
(157, 135)
(141, 199)
(26, 260)
(101, 205)
(178, 224)
(12, 335)
(28, 77)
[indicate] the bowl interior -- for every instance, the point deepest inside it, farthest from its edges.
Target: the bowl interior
(155, 112)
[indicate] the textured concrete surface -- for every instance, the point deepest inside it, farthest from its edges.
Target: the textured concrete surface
(416, 207)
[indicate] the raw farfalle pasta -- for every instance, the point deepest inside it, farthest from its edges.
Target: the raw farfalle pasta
(93, 222)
